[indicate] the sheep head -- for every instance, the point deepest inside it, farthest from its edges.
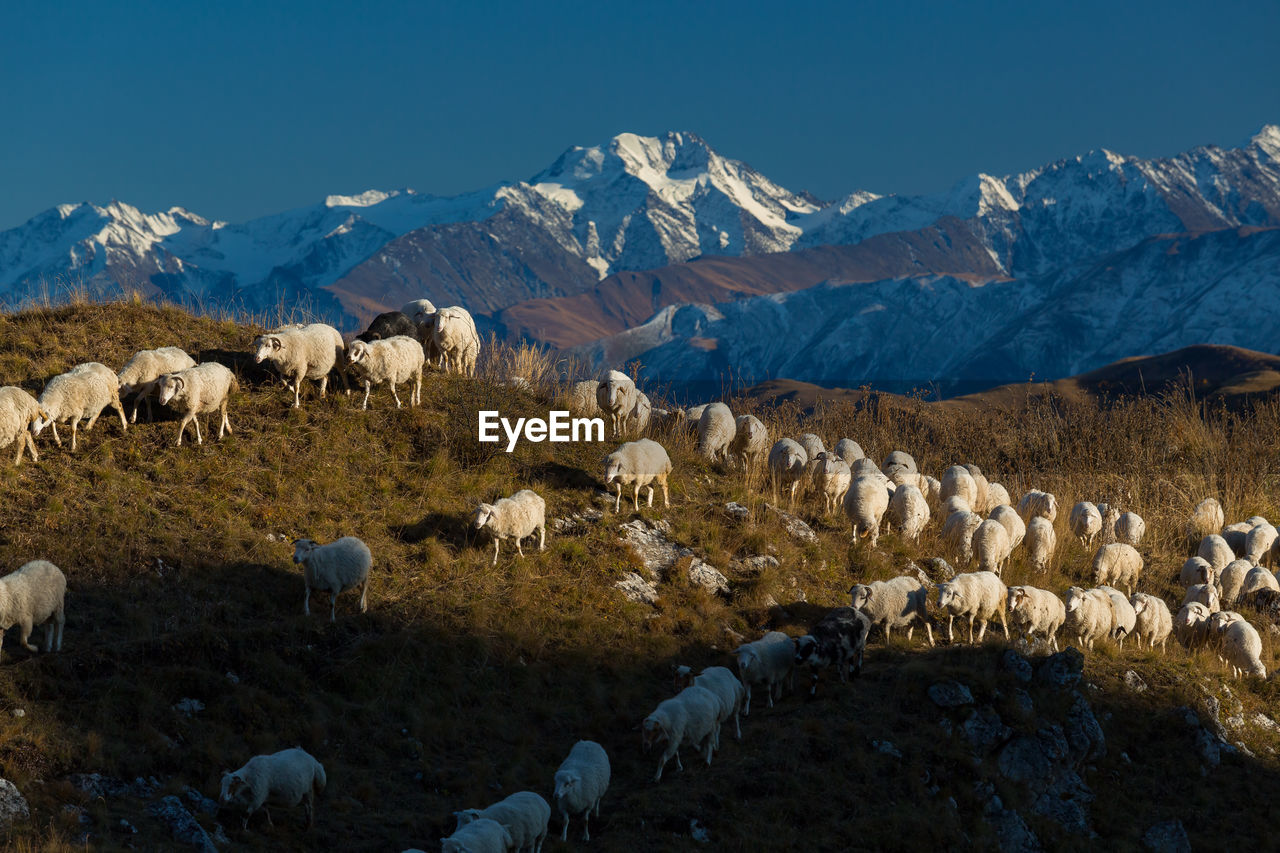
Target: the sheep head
(235, 789)
(683, 677)
(171, 385)
(612, 468)
(1017, 595)
(651, 732)
(264, 346)
(483, 514)
(567, 781)
(859, 595)
(947, 594)
(1074, 597)
(358, 352)
(302, 548)
(465, 817)
(807, 651)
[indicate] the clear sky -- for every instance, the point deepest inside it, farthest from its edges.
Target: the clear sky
(237, 109)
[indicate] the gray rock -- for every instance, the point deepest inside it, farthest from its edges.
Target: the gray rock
(939, 569)
(1022, 701)
(737, 510)
(985, 730)
(1061, 670)
(795, 528)
(650, 543)
(705, 575)
(1084, 733)
(13, 806)
(1134, 681)
(753, 566)
(1066, 801)
(884, 747)
(184, 827)
(1263, 721)
(1012, 833)
(950, 694)
(698, 832)
(1035, 760)
(96, 786)
(637, 588)
(1167, 837)
(189, 707)
(199, 803)
(1016, 665)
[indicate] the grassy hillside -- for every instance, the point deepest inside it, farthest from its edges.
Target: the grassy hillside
(465, 682)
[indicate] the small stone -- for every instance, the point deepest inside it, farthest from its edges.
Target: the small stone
(1061, 670)
(185, 829)
(1134, 681)
(884, 747)
(737, 510)
(190, 707)
(703, 574)
(1167, 837)
(1263, 721)
(13, 806)
(18, 712)
(939, 569)
(636, 588)
(795, 528)
(950, 694)
(698, 832)
(985, 730)
(1016, 665)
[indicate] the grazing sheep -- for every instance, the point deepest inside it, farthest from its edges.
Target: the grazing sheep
(310, 352)
(769, 661)
(787, 461)
(641, 413)
(479, 836)
(141, 374)
(392, 360)
(932, 490)
(957, 480)
(419, 310)
(1130, 528)
(991, 546)
(979, 596)
(981, 501)
(955, 503)
(341, 565)
(1085, 522)
(693, 414)
(524, 814)
(1124, 617)
(957, 535)
(849, 450)
(750, 442)
(1090, 615)
(1205, 594)
(34, 594)
(284, 778)
(1258, 578)
(638, 463)
(1266, 602)
(1013, 523)
(689, 719)
(1215, 551)
(581, 782)
(1036, 611)
(1258, 542)
(1036, 503)
(998, 495)
(18, 411)
(865, 504)
(455, 337)
(730, 693)
(716, 429)
(82, 392)
(1041, 540)
(616, 396)
(199, 390)
(899, 460)
(1191, 624)
(389, 325)
(896, 603)
(582, 398)
(909, 510)
(811, 443)
(838, 638)
(516, 517)
(1231, 581)
(1196, 570)
(1117, 564)
(831, 479)
(1153, 620)
(1242, 649)
(1206, 518)
(1235, 535)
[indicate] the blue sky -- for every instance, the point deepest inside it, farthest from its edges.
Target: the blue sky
(240, 109)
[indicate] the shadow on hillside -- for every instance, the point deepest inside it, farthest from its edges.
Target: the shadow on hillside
(564, 476)
(446, 527)
(242, 364)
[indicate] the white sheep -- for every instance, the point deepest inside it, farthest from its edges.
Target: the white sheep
(1197, 570)
(392, 360)
(898, 460)
(990, 542)
(865, 504)
(1117, 564)
(1153, 621)
(1090, 615)
(582, 398)
(831, 479)
(849, 450)
(1258, 578)
(957, 535)
(1206, 518)
(284, 778)
(909, 510)
(641, 412)
(787, 463)
(516, 517)
(896, 603)
(455, 338)
(34, 594)
(1130, 528)
(18, 411)
(1036, 611)
(580, 783)
(616, 395)
(341, 565)
(524, 814)
(932, 490)
(1085, 522)
(310, 352)
(1215, 551)
(1013, 523)
(82, 392)
(688, 719)
(981, 501)
(1191, 624)
(730, 693)
(750, 442)
(479, 836)
(199, 390)
(1231, 581)
(419, 310)
(768, 661)
(1041, 540)
(1036, 503)
(954, 504)
(1234, 535)
(141, 374)
(1110, 516)
(1123, 615)
(998, 495)
(811, 443)
(716, 429)
(1242, 649)
(1203, 593)
(979, 596)
(957, 480)
(693, 414)
(636, 464)
(1258, 542)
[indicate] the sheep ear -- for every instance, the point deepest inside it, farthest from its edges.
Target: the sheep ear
(275, 343)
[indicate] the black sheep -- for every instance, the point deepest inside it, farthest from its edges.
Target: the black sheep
(388, 325)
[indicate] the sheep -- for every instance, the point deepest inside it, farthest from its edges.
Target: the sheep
(811, 443)
(582, 398)
(1036, 503)
(341, 565)
(616, 396)
(1036, 611)
(729, 691)
(787, 461)
(392, 360)
(310, 352)
(1205, 594)
(1242, 649)
(896, 603)
(957, 480)
(198, 390)
(768, 661)
(1090, 615)
(516, 517)
(1153, 622)
(1110, 514)
(998, 495)
(990, 544)
(284, 778)
(899, 460)
(1258, 542)
(865, 504)
(1041, 540)
(1258, 578)
(1124, 616)
(956, 503)
(932, 490)
(957, 534)
(693, 414)
(1196, 570)
(1130, 528)
(831, 479)
(419, 310)
(689, 719)
(1206, 518)
(524, 814)
(909, 510)
(750, 441)
(18, 411)
(641, 413)
(849, 450)
(581, 782)
(1215, 550)
(1231, 581)
(980, 596)
(1190, 625)
(479, 836)
(1085, 522)
(141, 374)
(716, 429)
(981, 501)
(1013, 523)
(1117, 564)
(34, 594)
(638, 463)
(1234, 535)
(838, 638)
(389, 325)
(455, 338)
(82, 392)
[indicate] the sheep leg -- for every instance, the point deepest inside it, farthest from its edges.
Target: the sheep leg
(746, 707)
(617, 504)
(636, 497)
(119, 407)
(928, 629)
(199, 437)
(971, 630)
(982, 629)
(324, 383)
(306, 602)
(75, 424)
(586, 826)
(59, 619)
(950, 634)
(309, 805)
(564, 833)
(226, 423)
(519, 550)
(182, 428)
(22, 445)
(1005, 626)
(651, 495)
(542, 538)
(368, 387)
(56, 439)
(93, 419)
(416, 400)
(333, 607)
(24, 635)
(394, 394)
(495, 550)
(364, 596)
(297, 395)
(665, 499)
